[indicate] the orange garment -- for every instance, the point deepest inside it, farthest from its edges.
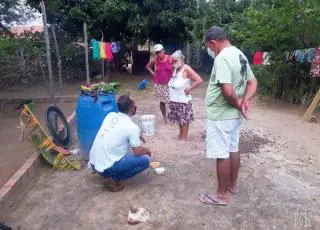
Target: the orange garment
(108, 51)
(102, 46)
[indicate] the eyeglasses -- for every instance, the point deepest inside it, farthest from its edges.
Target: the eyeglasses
(157, 52)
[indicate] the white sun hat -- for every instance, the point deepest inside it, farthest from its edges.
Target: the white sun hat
(158, 48)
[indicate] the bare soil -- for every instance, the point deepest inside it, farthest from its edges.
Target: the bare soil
(279, 179)
(14, 152)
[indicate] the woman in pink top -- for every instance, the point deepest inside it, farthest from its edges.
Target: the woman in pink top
(161, 70)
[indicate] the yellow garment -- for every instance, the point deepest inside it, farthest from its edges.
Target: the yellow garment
(102, 46)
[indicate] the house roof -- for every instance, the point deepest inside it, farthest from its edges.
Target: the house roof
(20, 30)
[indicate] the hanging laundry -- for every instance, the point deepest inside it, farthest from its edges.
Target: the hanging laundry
(102, 46)
(258, 58)
(310, 55)
(115, 46)
(108, 50)
(315, 68)
(95, 50)
(300, 56)
(266, 58)
(290, 56)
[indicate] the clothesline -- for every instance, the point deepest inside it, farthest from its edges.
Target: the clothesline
(311, 56)
(302, 56)
(104, 50)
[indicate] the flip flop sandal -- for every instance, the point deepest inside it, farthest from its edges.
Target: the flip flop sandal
(208, 199)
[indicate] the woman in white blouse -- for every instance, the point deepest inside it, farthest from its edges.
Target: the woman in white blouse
(183, 81)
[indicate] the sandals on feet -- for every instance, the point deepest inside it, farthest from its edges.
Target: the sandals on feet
(208, 199)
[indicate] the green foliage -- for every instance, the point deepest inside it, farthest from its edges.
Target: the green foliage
(276, 26)
(279, 25)
(265, 78)
(20, 59)
(223, 13)
(14, 11)
(31, 47)
(158, 20)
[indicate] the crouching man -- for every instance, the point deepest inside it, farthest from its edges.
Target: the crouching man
(110, 154)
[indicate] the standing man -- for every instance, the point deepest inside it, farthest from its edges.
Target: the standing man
(161, 70)
(232, 86)
(116, 153)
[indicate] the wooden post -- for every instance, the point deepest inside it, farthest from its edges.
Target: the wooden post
(43, 74)
(86, 51)
(58, 59)
(188, 59)
(316, 100)
(102, 69)
(46, 36)
(102, 61)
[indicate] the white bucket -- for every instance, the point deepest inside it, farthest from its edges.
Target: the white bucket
(148, 125)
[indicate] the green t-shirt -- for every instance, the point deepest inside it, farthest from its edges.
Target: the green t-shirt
(230, 67)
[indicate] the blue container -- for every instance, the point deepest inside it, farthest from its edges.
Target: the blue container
(90, 115)
(142, 85)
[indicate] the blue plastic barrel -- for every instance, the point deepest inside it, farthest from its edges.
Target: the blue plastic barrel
(90, 115)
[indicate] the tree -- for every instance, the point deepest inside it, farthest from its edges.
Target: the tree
(14, 11)
(280, 26)
(158, 20)
(222, 13)
(9, 11)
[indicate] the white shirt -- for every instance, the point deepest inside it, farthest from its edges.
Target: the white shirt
(116, 135)
(177, 84)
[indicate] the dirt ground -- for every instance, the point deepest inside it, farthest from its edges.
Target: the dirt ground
(279, 179)
(13, 152)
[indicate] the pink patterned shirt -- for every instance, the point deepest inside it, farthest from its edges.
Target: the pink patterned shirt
(163, 71)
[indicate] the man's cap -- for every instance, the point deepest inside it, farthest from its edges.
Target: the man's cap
(158, 48)
(215, 33)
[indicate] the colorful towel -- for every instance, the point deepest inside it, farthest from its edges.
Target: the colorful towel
(108, 49)
(102, 46)
(95, 50)
(315, 68)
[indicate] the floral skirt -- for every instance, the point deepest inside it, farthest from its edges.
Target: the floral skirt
(161, 93)
(180, 113)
